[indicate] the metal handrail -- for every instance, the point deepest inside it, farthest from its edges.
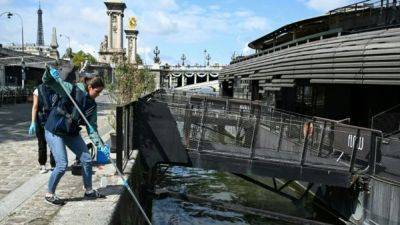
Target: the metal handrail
(374, 117)
(322, 141)
(362, 5)
(274, 120)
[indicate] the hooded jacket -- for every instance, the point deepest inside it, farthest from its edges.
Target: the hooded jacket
(64, 119)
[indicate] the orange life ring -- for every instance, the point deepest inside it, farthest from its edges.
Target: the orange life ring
(310, 127)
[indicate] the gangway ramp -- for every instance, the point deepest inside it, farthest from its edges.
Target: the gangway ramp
(250, 138)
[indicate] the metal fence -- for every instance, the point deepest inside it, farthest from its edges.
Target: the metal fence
(124, 130)
(13, 95)
(387, 121)
(250, 129)
(390, 163)
(255, 131)
(366, 5)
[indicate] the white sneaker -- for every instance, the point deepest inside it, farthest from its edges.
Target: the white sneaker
(43, 169)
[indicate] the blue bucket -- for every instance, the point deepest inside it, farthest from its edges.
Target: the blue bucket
(103, 157)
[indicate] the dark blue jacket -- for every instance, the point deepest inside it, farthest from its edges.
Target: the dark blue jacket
(64, 119)
(47, 99)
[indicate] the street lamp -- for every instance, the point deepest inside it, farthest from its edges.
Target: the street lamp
(183, 58)
(208, 57)
(9, 15)
(67, 37)
(68, 52)
(205, 55)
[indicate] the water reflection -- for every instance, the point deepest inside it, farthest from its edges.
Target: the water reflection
(217, 186)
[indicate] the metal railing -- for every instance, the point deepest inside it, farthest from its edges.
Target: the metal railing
(124, 130)
(255, 131)
(387, 121)
(13, 95)
(365, 5)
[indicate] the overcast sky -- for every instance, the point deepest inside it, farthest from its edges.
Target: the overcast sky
(175, 26)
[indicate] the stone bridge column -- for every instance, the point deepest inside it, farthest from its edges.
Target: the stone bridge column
(120, 31)
(195, 78)
(208, 77)
(183, 80)
(115, 12)
(131, 36)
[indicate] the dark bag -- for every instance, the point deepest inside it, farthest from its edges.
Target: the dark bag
(76, 167)
(47, 99)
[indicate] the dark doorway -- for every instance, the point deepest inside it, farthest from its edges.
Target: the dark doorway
(226, 88)
(254, 90)
(357, 102)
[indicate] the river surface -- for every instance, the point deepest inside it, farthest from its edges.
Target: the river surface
(224, 187)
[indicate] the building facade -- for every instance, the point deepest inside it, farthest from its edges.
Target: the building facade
(349, 54)
(342, 65)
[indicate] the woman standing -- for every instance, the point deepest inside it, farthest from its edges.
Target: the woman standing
(63, 129)
(43, 101)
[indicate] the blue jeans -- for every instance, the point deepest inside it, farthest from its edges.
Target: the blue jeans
(78, 147)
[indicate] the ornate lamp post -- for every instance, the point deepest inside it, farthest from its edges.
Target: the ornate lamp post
(156, 52)
(183, 58)
(9, 15)
(205, 55)
(131, 35)
(208, 57)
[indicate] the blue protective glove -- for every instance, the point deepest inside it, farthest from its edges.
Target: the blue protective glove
(54, 73)
(103, 154)
(32, 128)
(91, 131)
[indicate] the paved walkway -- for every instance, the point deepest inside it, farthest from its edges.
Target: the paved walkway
(22, 188)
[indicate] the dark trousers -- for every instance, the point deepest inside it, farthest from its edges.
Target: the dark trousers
(42, 144)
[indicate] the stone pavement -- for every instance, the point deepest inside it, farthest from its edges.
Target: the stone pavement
(22, 188)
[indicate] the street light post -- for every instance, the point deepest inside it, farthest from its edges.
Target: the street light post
(9, 15)
(67, 37)
(68, 51)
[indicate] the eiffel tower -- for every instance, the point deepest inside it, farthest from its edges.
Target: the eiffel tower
(39, 38)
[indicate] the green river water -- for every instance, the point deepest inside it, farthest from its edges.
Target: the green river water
(224, 187)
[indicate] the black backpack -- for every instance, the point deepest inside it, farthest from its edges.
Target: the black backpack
(47, 99)
(64, 118)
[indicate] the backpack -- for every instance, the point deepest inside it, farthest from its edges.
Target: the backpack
(47, 99)
(64, 118)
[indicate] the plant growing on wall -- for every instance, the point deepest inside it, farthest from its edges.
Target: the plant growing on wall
(79, 58)
(128, 85)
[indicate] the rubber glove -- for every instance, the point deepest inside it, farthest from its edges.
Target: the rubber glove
(103, 154)
(32, 128)
(91, 131)
(54, 73)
